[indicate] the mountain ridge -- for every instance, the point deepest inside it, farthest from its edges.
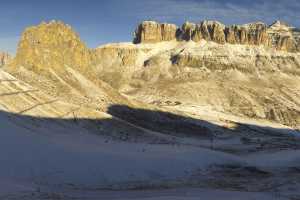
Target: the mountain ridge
(278, 35)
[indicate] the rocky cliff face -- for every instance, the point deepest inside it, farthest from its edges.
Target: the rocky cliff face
(52, 45)
(117, 62)
(5, 58)
(284, 37)
(207, 30)
(278, 36)
(250, 34)
(151, 32)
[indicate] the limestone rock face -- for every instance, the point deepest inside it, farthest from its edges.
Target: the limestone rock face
(252, 34)
(215, 31)
(232, 35)
(284, 37)
(51, 45)
(152, 32)
(257, 34)
(5, 58)
(190, 31)
(116, 63)
(286, 43)
(279, 35)
(168, 32)
(207, 30)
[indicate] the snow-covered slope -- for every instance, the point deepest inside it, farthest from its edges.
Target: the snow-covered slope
(70, 158)
(53, 149)
(51, 163)
(252, 81)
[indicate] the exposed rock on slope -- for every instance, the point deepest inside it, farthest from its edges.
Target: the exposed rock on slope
(117, 62)
(254, 60)
(5, 58)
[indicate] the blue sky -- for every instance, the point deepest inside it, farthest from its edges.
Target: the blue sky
(104, 21)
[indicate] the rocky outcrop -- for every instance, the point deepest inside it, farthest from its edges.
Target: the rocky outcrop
(279, 35)
(255, 60)
(257, 34)
(52, 45)
(117, 62)
(213, 31)
(5, 58)
(52, 57)
(189, 31)
(151, 32)
(207, 30)
(252, 34)
(121, 56)
(284, 37)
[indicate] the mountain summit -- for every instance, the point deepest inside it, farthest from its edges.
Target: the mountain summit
(52, 45)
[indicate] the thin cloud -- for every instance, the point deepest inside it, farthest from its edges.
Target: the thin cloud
(225, 11)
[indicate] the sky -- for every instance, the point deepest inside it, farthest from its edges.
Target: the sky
(105, 21)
